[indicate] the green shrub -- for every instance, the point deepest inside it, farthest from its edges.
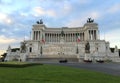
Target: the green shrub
(17, 64)
(108, 60)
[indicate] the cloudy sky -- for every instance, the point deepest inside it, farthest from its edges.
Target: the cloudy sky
(18, 16)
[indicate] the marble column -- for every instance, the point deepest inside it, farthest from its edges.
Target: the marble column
(69, 37)
(87, 34)
(83, 36)
(92, 34)
(65, 37)
(33, 35)
(48, 37)
(36, 35)
(98, 34)
(51, 38)
(95, 34)
(39, 35)
(80, 36)
(57, 37)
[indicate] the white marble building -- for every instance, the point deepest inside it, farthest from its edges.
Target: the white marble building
(54, 44)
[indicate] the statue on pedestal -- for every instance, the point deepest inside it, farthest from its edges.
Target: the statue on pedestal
(23, 47)
(62, 37)
(62, 33)
(87, 47)
(77, 50)
(41, 50)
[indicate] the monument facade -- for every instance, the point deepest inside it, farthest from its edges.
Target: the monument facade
(71, 43)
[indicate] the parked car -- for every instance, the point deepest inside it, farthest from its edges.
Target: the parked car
(88, 61)
(100, 61)
(63, 61)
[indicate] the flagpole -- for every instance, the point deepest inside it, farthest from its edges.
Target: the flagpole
(78, 40)
(30, 36)
(104, 35)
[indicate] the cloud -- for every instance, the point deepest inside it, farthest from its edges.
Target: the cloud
(39, 11)
(51, 13)
(115, 8)
(112, 36)
(2, 51)
(66, 8)
(4, 18)
(81, 20)
(23, 14)
(94, 15)
(84, 1)
(75, 23)
(3, 30)
(5, 40)
(6, 2)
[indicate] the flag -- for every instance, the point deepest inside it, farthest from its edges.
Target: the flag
(78, 38)
(43, 40)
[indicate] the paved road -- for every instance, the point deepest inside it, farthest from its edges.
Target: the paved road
(109, 68)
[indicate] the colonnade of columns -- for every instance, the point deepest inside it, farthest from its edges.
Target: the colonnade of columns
(68, 37)
(93, 34)
(36, 35)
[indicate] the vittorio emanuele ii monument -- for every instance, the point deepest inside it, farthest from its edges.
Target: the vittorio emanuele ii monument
(74, 44)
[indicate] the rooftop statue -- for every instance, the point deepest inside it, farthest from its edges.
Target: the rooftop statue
(90, 20)
(40, 21)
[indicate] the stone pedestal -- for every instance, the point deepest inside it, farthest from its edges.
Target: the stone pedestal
(87, 56)
(22, 57)
(62, 40)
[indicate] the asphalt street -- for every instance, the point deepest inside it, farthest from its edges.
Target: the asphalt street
(109, 68)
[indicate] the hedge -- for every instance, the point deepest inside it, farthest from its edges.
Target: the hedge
(18, 65)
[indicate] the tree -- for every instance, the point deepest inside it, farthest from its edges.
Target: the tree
(3, 56)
